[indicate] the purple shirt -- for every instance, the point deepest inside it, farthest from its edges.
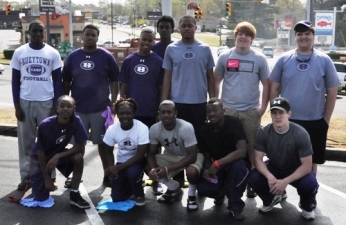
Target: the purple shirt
(90, 74)
(143, 76)
(160, 48)
(53, 137)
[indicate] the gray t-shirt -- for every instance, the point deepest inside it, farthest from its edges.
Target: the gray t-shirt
(174, 141)
(189, 64)
(284, 150)
(241, 75)
(304, 84)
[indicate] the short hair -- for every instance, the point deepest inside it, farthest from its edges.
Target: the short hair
(147, 31)
(92, 26)
(187, 17)
(165, 18)
(215, 100)
(167, 102)
(245, 28)
(36, 22)
(130, 101)
(65, 96)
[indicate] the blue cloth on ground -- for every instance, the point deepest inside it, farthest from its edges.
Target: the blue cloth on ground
(121, 206)
(31, 202)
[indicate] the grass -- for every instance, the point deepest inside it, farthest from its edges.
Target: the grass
(336, 133)
(210, 39)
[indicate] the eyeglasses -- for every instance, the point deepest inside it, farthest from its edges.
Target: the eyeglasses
(305, 60)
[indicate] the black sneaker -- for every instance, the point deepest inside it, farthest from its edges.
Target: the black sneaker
(219, 200)
(169, 195)
(157, 188)
(107, 181)
(77, 200)
(140, 201)
(250, 193)
(238, 215)
(191, 204)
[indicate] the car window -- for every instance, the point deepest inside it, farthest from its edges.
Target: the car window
(340, 68)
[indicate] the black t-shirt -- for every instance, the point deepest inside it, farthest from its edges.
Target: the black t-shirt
(222, 142)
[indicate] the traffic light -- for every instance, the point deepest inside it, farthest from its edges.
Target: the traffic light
(8, 9)
(228, 9)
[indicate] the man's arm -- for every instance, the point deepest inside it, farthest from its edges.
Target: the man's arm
(166, 86)
(262, 167)
(211, 83)
(151, 160)
(330, 103)
(274, 90)
(114, 86)
(123, 90)
(265, 96)
(217, 81)
(19, 113)
(44, 169)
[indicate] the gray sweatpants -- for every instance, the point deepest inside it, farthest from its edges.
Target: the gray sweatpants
(34, 112)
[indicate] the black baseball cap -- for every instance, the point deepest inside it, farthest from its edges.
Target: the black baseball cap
(303, 26)
(280, 103)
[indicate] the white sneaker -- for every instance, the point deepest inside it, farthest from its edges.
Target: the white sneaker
(277, 199)
(308, 215)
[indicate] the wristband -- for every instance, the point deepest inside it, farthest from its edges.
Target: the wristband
(166, 170)
(217, 164)
(152, 169)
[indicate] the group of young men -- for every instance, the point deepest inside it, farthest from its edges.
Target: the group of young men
(172, 81)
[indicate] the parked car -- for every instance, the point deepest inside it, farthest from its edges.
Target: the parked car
(2, 68)
(341, 70)
(268, 51)
(256, 44)
(107, 44)
(126, 41)
(221, 49)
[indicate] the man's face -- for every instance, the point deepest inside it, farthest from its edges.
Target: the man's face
(165, 29)
(304, 40)
(243, 41)
(215, 112)
(167, 114)
(65, 108)
(187, 28)
(125, 114)
(280, 118)
(89, 38)
(36, 33)
(146, 42)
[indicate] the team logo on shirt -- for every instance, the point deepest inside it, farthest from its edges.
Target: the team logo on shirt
(168, 143)
(87, 65)
(35, 70)
(127, 145)
(60, 140)
(141, 69)
(302, 66)
(189, 55)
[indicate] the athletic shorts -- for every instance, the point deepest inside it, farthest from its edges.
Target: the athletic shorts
(167, 159)
(317, 130)
(95, 124)
(38, 186)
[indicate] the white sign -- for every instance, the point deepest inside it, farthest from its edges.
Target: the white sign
(323, 28)
(283, 33)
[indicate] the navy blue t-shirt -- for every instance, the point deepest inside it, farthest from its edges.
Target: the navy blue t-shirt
(160, 48)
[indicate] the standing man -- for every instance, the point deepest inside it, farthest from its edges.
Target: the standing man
(165, 27)
(223, 143)
(288, 148)
(178, 138)
(36, 86)
(91, 74)
(141, 78)
(307, 78)
(242, 70)
(188, 76)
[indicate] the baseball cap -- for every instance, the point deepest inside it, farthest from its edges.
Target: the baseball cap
(280, 103)
(303, 25)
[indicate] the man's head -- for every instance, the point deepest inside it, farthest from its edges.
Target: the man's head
(280, 112)
(215, 110)
(304, 26)
(304, 35)
(90, 36)
(36, 32)
(187, 27)
(167, 113)
(244, 34)
(126, 109)
(146, 41)
(165, 26)
(65, 108)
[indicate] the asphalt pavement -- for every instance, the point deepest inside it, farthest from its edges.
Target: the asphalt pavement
(331, 200)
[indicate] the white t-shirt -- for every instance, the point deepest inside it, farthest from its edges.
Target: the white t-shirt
(127, 140)
(36, 67)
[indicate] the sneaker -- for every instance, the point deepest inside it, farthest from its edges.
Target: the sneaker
(250, 193)
(277, 199)
(107, 181)
(191, 204)
(238, 215)
(314, 204)
(219, 200)
(284, 195)
(308, 215)
(77, 200)
(157, 188)
(23, 185)
(140, 201)
(169, 195)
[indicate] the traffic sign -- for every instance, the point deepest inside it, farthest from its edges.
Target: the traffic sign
(47, 6)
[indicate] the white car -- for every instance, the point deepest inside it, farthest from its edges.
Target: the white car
(2, 68)
(221, 49)
(107, 44)
(256, 44)
(341, 70)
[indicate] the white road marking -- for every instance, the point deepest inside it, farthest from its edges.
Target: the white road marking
(332, 190)
(93, 215)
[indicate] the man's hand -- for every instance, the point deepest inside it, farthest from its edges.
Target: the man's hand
(50, 185)
(20, 115)
(212, 170)
(279, 187)
(113, 170)
(160, 172)
(52, 163)
(153, 174)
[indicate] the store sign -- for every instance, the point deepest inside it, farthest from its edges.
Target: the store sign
(47, 6)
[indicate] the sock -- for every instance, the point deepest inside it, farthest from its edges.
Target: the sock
(192, 190)
(171, 184)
